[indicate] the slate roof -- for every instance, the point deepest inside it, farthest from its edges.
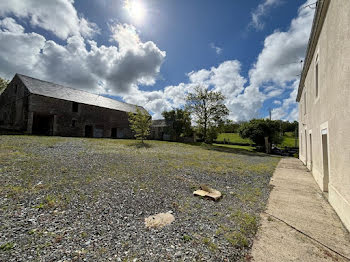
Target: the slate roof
(44, 88)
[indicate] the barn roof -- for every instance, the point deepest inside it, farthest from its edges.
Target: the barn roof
(48, 89)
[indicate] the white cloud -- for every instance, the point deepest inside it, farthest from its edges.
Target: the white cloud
(9, 25)
(57, 16)
(120, 69)
(225, 78)
(278, 61)
(262, 11)
(288, 109)
(217, 49)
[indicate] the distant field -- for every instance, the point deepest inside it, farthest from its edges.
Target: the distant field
(233, 138)
(289, 140)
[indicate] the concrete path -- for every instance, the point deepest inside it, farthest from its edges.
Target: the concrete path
(299, 224)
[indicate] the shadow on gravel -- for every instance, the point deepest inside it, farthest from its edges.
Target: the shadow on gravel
(236, 151)
(140, 145)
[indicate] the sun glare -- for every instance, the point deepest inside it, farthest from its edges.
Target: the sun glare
(136, 10)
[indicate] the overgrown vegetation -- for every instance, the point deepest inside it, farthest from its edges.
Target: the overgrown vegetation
(178, 123)
(258, 130)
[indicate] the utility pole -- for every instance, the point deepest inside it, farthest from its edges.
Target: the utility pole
(270, 113)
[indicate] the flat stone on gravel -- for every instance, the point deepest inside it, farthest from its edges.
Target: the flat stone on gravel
(159, 220)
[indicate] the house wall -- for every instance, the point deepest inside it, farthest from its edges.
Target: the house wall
(13, 106)
(330, 110)
(102, 119)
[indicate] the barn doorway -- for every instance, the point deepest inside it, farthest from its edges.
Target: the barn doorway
(325, 160)
(42, 124)
(88, 131)
(114, 133)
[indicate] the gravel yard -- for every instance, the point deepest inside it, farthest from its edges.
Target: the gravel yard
(76, 199)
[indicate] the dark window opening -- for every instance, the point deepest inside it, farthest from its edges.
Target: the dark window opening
(88, 131)
(74, 123)
(75, 107)
(15, 89)
(42, 124)
(114, 133)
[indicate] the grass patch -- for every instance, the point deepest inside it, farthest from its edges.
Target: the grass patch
(233, 138)
(246, 148)
(289, 140)
(208, 242)
(7, 246)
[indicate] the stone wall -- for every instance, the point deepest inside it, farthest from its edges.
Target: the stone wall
(102, 120)
(13, 106)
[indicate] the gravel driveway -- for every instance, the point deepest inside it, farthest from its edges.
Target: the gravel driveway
(75, 199)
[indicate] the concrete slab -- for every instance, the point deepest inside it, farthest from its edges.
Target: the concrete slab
(299, 224)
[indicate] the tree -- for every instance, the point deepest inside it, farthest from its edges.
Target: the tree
(208, 110)
(258, 129)
(3, 84)
(178, 122)
(228, 126)
(140, 124)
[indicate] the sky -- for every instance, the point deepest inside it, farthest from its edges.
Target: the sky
(153, 52)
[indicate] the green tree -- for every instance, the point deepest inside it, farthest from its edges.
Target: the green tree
(257, 129)
(140, 124)
(3, 84)
(178, 122)
(208, 110)
(228, 126)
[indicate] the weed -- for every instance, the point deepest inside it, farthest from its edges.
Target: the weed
(247, 223)
(187, 238)
(40, 206)
(237, 239)
(7, 246)
(212, 246)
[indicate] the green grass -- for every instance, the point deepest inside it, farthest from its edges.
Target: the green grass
(233, 138)
(289, 140)
(247, 148)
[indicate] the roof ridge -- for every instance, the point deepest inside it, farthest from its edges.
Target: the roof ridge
(114, 100)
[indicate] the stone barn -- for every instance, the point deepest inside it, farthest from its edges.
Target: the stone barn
(34, 106)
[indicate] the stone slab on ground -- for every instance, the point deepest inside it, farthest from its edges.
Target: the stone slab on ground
(206, 191)
(299, 223)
